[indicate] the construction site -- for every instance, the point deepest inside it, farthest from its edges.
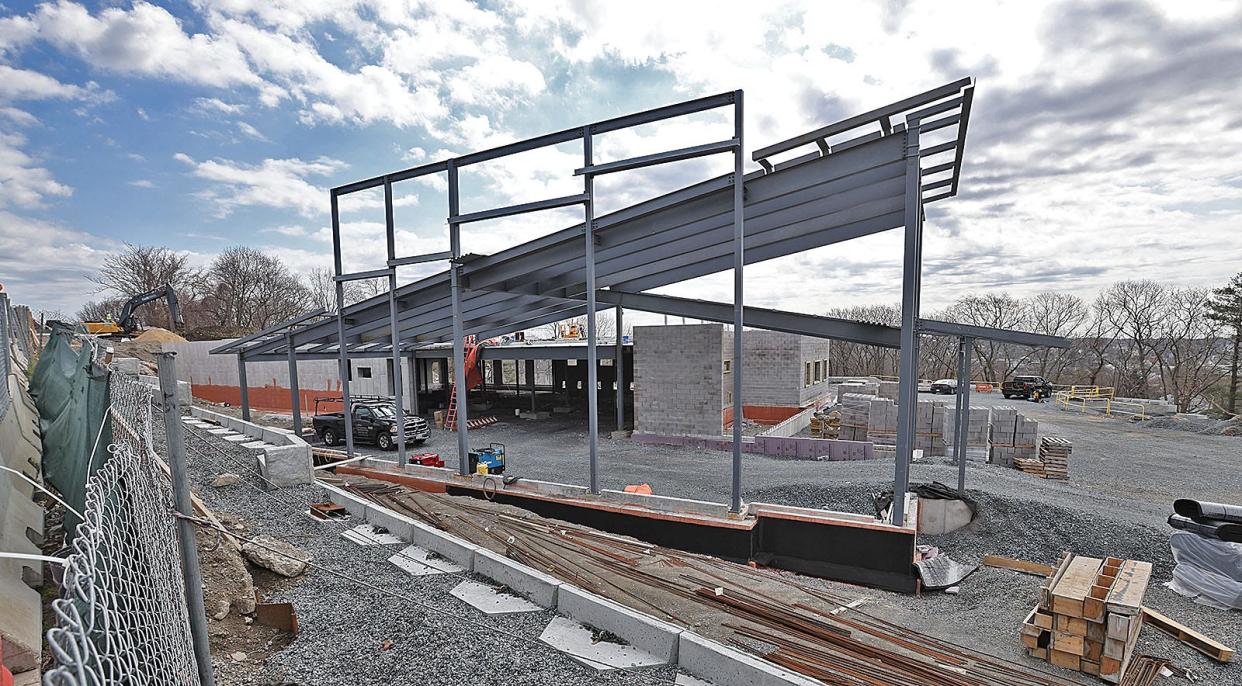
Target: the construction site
(534, 465)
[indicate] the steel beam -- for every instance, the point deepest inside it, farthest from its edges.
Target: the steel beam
(295, 396)
(932, 326)
(459, 344)
(343, 348)
(394, 332)
(245, 388)
(962, 425)
(523, 208)
(739, 260)
(592, 359)
(907, 401)
(419, 259)
(658, 158)
(618, 368)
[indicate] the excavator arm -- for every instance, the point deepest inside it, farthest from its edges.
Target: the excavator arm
(125, 322)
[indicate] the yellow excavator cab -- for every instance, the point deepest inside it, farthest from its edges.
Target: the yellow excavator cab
(102, 328)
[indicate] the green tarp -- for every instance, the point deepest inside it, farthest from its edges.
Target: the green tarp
(71, 394)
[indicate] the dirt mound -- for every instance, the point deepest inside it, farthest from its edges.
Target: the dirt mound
(158, 335)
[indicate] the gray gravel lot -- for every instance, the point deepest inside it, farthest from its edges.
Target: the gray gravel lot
(1123, 479)
(345, 623)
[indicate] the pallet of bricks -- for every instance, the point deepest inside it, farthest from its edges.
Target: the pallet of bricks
(978, 433)
(1013, 436)
(1053, 460)
(1089, 615)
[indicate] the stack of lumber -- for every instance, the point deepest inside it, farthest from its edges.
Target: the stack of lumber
(1054, 452)
(1089, 615)
(826, 426)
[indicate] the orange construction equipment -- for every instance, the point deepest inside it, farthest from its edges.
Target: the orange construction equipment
(642, 489)
(474, 377)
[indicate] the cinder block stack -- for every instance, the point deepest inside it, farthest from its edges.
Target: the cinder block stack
(928, 428)
(855, 407)
(1013, 436)
(882, 422)
(889, 389)
(978, 433)
(1089, 615)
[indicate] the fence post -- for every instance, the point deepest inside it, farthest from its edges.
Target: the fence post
(185, 529)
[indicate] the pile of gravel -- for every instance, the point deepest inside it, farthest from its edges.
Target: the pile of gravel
(1197, 424)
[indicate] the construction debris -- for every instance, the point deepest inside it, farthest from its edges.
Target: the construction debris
(1213, 649)
(1052, 462)
(1018, 565)
(805, 628)
(1089, 615)
(1144, 671)
(275, 555)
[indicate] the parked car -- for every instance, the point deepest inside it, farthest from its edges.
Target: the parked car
(1027, 387)
(373, 423)
(944, 386)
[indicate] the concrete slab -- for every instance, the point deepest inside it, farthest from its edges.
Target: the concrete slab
(540, 588)
(491, 600)
(938, 516)
(255, 445)
(418, 561)
(365, 534)
(456, 549)
(579, 643)
(726, 666)
(684, 679)
(646, 633)
(221, 431)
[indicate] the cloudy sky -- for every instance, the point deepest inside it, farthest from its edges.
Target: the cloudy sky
(1105, 142)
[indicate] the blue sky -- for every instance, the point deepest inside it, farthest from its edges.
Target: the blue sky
(1103, 146)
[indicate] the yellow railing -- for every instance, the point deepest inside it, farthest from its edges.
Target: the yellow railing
(1102, 399)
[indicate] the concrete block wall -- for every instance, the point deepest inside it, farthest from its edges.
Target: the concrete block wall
(813, 350)
(678, 379)
(978, 433)
(771, 368)
(1013, 436)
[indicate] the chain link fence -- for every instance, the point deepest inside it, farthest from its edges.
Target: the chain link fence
(122, 617)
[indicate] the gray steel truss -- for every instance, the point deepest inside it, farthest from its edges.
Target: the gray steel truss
(863, 175)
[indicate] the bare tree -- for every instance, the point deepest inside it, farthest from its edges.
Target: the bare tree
(137, 269)
(998, 311)
(857, 359)
(248, 289)
(321, 286)
(1096, 343)
(1135, 308)
(1056, 314)
(104, 310)
(1226, 309)
(1191, 356)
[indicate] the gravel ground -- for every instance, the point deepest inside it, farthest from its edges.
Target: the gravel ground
(1123, 479)
(347, 624)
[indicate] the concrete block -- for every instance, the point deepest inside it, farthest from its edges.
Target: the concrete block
(538, 587)
(725, 666)
(288, 465)
(397, 524)
(639, 630)
(356, 506)
(938, 516)
(447, 545)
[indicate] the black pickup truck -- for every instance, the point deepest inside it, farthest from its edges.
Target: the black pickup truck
(373, 423)
(1028, 387)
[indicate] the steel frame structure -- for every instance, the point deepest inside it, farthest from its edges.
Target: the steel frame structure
(855, 181)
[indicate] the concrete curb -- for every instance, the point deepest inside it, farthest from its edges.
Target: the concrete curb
(724, 666)
(541, 589)
(700, 657)
(639, 630)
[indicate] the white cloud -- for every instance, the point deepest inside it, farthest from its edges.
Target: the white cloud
(46, 265)
(24, 84)
(252, 132)
(207, 105)
(278, 183)
(18, 117)
(22, 182)
(145, 39)
(142, 183)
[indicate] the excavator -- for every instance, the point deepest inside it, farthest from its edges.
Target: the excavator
(126, 324)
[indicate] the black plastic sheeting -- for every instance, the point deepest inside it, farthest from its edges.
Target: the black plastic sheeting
(1211, 528)
(942, 571)
(932, 491)
(1199, 511)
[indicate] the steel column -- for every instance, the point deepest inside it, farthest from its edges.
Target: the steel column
(530, 371)
(962, 427)
(295, 394)
(908, 388)
(245, 388)
(618, 367)
(592, 356)
(394, 328)
(415, 379)
(459, 343)
(342, 346)
(186, 541)
(735, 500)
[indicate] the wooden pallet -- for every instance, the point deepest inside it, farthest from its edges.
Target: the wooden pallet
(1089, 615)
